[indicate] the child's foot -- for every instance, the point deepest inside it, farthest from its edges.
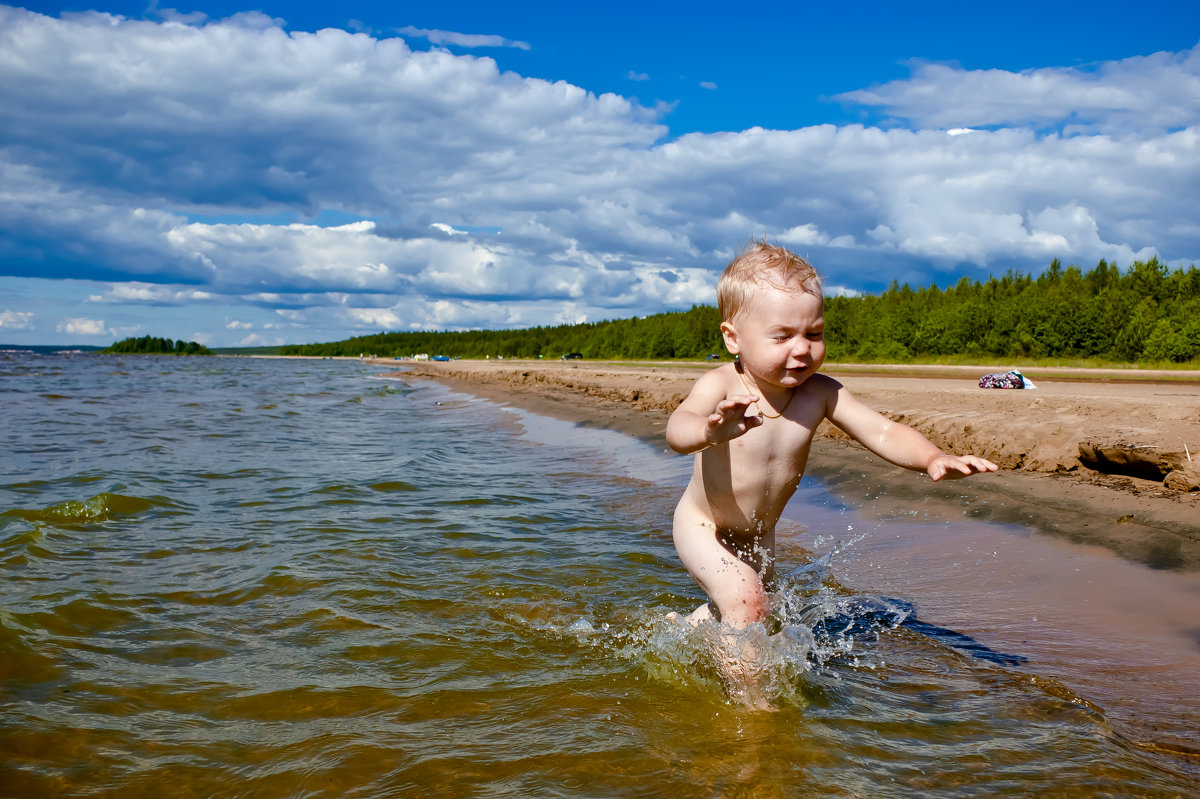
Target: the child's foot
(749, 692)
(702, 613)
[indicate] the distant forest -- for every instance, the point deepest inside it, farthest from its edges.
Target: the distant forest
(158, 346)
(1145, 314)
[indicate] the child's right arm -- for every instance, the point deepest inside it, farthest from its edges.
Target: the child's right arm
(707, 417)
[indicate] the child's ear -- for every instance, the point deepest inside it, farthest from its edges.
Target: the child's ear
(729, 333)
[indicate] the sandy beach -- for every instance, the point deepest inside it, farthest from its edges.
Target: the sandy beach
(1101, 457)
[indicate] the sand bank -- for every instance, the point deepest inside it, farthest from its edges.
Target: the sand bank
(1094, 456)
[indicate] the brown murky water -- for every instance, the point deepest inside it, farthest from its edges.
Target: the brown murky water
(233, 577)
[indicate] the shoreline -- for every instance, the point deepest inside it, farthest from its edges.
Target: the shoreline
(1037, 437)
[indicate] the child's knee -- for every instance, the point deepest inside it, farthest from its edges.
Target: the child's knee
(751, 607)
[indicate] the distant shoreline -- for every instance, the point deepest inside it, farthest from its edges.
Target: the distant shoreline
(1036, 436)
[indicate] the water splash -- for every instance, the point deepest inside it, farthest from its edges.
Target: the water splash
(817, 627)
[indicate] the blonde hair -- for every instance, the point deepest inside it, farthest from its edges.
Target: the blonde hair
(762, 265)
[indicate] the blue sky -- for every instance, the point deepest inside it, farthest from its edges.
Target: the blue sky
(295, 172)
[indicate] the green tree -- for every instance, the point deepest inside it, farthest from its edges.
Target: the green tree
(1164, 343)
(153, 345)
(1131, 341)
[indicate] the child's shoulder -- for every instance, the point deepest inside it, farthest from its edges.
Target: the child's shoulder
(820, 386)
(820, 381)
(726, 371)
(721, 380)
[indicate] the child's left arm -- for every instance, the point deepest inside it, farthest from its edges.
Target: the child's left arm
(895, 442)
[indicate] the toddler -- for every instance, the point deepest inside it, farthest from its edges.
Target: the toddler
(751, 424)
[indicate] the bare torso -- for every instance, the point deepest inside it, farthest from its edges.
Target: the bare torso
(740, 487)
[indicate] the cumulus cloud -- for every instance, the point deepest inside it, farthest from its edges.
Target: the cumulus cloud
(181, 163)
(83, 327)
(16, 320)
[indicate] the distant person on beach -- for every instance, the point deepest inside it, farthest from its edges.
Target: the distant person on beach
(751, 424)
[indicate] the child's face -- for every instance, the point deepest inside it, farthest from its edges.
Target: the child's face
(779, 336)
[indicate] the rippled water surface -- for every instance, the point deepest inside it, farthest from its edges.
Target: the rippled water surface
(252, 577)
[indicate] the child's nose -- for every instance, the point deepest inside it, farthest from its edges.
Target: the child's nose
(800, 347)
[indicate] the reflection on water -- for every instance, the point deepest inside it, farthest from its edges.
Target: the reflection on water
(285, 578)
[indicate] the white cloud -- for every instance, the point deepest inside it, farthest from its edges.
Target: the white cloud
(149, 293)
(16, 320)
(801, 236)
(708, 84)
(255, 340)
(172, 15)
(461, 39)
(431, 154)
(382, 318)
(1133, 94)
(637, 76)
(83, 327)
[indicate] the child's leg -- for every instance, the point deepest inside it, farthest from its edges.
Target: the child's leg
(733, 580)
(733, 585)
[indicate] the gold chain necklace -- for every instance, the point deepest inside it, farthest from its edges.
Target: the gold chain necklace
(749, 390)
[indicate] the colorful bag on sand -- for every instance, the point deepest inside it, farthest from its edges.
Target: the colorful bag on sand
(1013, 379)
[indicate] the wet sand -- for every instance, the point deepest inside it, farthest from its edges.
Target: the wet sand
(1097, 456)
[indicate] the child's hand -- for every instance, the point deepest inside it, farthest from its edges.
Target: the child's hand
(952, 467)
(730, 420)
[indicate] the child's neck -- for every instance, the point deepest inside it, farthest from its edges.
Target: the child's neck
(752, 388)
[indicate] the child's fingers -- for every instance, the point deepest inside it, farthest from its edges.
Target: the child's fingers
(979, 464)
(949, 472)
(730, 420)
(735, 405)
(738, 401)
(950, 467)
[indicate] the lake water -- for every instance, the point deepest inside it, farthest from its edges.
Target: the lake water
(254, 577)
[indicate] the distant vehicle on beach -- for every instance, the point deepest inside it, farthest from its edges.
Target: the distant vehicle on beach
(441, 357)
(573, 356)
(712, 357)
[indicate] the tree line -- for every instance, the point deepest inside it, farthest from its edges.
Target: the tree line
(158, 346)
(1147, 313)
(685, 334)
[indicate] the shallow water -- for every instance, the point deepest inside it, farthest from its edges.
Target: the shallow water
(247, 577)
